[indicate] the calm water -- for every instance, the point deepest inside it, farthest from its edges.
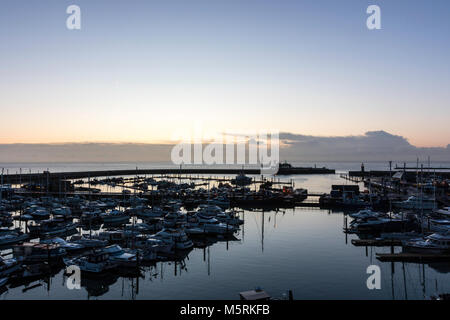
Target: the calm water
(303, 250)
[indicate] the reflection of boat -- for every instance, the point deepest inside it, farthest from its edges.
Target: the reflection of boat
(98, 285)
(436, 243)
(441, 267)
(33, 272)
(35, 252)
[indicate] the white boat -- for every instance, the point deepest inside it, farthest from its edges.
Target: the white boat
(95, 262)
(115, 216)
(62, 211)
(175, 237)
(3, 281)
(87, 242)
(173, 219)
(11, 238)
(34, 252)
(414, 202)
(209, 225)
(366, 213)
(120, 256)
(444, 211)
(436, 225)
(8, 266)
(437, 243)
(153, 213)
(68, 246)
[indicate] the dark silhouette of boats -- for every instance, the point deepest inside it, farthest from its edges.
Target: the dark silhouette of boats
(287, 169)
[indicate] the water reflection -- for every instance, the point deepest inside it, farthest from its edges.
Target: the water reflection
(304, 250)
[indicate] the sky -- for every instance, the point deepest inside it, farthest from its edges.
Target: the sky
(141, 71)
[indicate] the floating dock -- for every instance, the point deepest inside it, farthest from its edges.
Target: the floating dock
(413, 257)
(27, 177)
(376, 242)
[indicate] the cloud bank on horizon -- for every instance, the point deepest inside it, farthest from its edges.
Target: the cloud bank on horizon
(371, 146)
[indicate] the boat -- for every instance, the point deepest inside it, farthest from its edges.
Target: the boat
(68, 246)
(366, 213)
(62, 211)
(115, 216)
(208, 225)
(416, 203)
(437, 243)
(88, 243)
(40, 213)
(3, 281)
(53, 227)
(175, 237)
(8, 266)
(153, 213)
(120, 256)
(174, 219)
(382, 224)
(12, 238)
(36, 252)
(241, 180)
(95, 262)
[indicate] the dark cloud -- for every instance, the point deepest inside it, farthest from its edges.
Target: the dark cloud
(372, 146)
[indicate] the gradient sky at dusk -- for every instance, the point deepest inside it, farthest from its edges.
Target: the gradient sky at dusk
(140, 70)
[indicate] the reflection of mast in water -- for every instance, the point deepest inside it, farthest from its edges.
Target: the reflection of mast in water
(404, 281)
(423, 278)
(392, 280)
(243, 225)
(209, 263)
(262, 231)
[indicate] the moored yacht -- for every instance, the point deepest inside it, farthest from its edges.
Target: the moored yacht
(437, 243)
(95, 262)
(175, 237)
